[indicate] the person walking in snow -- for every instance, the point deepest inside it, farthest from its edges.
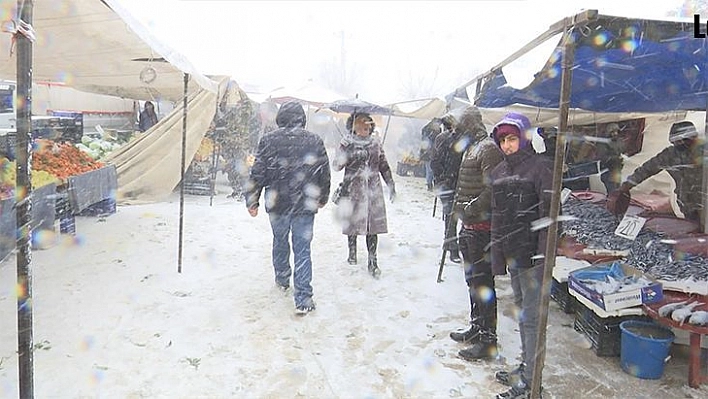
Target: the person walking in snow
(445, 162)
(291, 163)
(521, 195)
(363, 209)
(472, 206)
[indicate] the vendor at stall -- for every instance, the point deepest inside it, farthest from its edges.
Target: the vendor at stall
(683, 160)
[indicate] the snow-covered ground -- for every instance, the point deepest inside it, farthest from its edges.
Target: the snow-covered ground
(113, 318)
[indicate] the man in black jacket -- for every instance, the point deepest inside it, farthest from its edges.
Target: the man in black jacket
(473, 206)
(683, 161)
(428, 134)
(445, 162)
(292, 165)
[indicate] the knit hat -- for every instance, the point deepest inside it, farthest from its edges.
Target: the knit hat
(516, 124)
(682, 130)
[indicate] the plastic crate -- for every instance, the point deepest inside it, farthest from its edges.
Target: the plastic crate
(105, 207)
(67, 225)
(559, 293)
(202, 187)
(603, 333)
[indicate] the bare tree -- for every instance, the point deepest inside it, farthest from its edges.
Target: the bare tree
(690, 7)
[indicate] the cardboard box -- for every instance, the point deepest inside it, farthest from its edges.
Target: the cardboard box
(621, 299)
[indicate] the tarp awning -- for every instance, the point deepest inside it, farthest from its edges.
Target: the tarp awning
(99, 47)
(620, 65)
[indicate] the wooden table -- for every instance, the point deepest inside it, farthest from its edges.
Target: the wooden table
(695, 376)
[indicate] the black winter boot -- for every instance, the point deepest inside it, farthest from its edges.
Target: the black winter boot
(469, 336)
(371, 244)
(480, 351)
(520, 390)
(512, 377)
(351, 241)
(455, 256)
(484, 348)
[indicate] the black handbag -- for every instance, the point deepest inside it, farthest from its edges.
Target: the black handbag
(342, 191)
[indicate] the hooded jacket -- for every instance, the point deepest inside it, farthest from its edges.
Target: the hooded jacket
(473, 192)
(451, 145)
(521, 198)
(292, 165)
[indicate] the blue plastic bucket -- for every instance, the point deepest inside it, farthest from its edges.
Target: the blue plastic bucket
(645, 348)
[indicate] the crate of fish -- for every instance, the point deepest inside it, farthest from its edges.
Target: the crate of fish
(559, 293)
(603, 333)
(615, 286)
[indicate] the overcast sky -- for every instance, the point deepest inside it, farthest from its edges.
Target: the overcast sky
(384, 51)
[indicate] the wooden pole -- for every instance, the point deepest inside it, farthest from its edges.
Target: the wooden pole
(182, 170)
(551, 242)
(23, 197)
(704, 186)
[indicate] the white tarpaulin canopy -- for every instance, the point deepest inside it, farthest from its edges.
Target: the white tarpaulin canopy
(99, 47)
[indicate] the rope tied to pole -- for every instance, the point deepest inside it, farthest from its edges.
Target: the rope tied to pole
(18, 27)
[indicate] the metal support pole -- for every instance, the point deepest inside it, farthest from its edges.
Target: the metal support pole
(182, 171)
(388, 121)
(704, 187)
(551, 242)
(23, 197)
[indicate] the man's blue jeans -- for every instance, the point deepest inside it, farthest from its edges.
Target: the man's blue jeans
(301, 227)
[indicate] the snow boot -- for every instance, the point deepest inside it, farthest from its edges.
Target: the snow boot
(520, 390)
(305, 308)
(482, 350)
(512, 377)
(351, 241)
(371, 244)
(455, 256)
(469, 336)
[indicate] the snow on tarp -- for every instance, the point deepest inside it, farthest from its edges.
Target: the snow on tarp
(99, 47)
(310, 93)
(428, 108)
(620, 65)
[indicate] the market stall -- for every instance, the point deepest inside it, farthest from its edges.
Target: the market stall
(609, 64)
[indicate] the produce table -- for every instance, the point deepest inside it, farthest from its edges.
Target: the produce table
(695, 376)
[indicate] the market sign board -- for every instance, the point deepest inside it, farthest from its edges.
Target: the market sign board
(630, 226)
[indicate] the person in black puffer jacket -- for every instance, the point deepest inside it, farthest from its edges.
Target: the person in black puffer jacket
(521, 196)
(292, 165)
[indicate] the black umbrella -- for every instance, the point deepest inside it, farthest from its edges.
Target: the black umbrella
(355, 106)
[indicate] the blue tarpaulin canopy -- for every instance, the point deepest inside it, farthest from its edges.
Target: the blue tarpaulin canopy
(620, 65)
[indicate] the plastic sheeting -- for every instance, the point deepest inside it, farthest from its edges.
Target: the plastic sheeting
(620, 65)
(99, 47)
(149, 166)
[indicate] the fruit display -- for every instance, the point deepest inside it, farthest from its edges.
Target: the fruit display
(62, 160)
(8, 173)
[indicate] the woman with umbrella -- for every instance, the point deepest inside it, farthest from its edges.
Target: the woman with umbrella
(362, 210)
